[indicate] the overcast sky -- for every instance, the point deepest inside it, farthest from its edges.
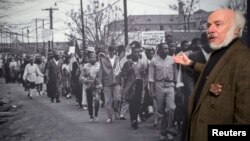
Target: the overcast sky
(24, 14)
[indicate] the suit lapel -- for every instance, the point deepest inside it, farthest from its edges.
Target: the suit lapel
(212, 76)
(54, 63)
(109, 62)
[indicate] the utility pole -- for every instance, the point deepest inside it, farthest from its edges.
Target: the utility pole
(36, 20)
(36, 38)
(10, 40)
(16, 40)
(44, 51)
(28, 35)
(51, 22)
(3, 42)
(83, 32)
(125, 22)
(1, 36)
(6, 40)
(28, 38)
(22, 35)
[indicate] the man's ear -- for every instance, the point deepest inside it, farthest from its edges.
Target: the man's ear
(237, 31)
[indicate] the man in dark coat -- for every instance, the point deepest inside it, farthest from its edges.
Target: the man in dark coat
(75, 74)
(54, 76)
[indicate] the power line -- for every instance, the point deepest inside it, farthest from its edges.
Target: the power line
(66, 3)
(30, 9)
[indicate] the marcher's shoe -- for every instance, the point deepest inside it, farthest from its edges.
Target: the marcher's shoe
(155, 124)
(139, 119)
(108, 120)
(122, 118)
(162, 138)
(58, 101)
(85, 107)
(170, 137)
(91, 120)
(40, 93)
(156, 121)
(150, 109)
(134, 124)
(68, 96)
(96, 119)
(28, 95)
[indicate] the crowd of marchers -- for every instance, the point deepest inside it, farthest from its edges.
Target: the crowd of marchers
(144, 82)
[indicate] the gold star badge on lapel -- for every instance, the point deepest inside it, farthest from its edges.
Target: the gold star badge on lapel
(216, 89)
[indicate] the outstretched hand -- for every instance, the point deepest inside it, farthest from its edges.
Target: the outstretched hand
(182, 59)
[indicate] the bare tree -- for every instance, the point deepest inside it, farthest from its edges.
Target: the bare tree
(185, 8)
(97, 19)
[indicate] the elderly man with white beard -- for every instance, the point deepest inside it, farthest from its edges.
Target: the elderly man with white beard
(222, 93)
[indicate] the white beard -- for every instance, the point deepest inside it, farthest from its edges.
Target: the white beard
(229, 38)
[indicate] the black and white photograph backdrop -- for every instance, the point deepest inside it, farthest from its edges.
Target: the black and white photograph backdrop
(66, 99)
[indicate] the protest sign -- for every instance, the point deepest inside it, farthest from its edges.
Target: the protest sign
(152, 38)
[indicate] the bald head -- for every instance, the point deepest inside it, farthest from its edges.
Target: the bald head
(223, 26)
(223, 13)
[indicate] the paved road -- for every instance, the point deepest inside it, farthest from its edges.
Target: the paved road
(46, 121)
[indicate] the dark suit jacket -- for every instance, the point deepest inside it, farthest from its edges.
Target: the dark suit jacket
(74, 74)
(189, 76)
(198, 57)
(232, 106)
(54, 72)
(106, 74)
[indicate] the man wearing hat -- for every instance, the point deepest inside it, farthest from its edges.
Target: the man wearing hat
(54, 76)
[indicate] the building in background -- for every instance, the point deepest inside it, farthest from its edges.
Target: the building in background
(175, 25)
(162, 22)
